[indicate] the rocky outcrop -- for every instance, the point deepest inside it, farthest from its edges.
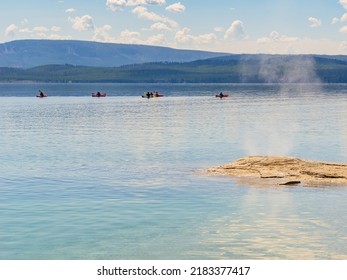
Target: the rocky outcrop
(284, 171)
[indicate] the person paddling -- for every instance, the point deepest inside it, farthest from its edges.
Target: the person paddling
(41, 93)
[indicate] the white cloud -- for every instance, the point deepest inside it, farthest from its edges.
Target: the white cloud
(343, 29)
(101, 34)
(236, 31)
(343, 18)
(277, 38)
(133, 37)
(44, 33)
(60, 37)
(55, 28)
(142, 12)
(25, 30)
(145, 2)
(160, 26)
(116, 5)
(70, 10)
(177, 7)
(183, 36)
(40, 29)
(285, 45)
(83, 23)
(344, 3)
(274, 36)
(314, 22)
(11, 30)
(158, 39)
(205, 38)
(335, 20)
(156, 2)
(130, 37)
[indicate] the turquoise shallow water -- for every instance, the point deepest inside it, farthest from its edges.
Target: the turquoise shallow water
(120, 177)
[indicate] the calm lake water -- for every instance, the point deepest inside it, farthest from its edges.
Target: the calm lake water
(120, 177)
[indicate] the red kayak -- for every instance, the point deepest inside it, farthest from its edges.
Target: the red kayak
(147, 95)
(98, 94)
(222, 96)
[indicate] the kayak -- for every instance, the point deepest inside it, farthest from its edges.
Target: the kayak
(153, 95)
(98, 94)
(41, 94)
(224, 95)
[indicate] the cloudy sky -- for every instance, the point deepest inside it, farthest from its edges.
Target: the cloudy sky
(235, 26)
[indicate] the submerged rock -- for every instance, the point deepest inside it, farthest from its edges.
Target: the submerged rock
(284, 171)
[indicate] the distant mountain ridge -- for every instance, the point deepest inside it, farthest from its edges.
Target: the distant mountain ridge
(82, 61)
(32, 53)
(227, 69)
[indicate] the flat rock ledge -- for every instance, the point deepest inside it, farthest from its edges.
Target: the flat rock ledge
(267, 170)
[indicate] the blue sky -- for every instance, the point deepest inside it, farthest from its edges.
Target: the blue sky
(234, 26)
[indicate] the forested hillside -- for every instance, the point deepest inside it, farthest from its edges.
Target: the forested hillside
(227, 69)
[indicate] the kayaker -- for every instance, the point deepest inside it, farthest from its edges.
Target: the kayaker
(148, 94)
(41, 93)
(98, 94)
(221, 95)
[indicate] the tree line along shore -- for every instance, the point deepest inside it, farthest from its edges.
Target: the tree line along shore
(228, 69)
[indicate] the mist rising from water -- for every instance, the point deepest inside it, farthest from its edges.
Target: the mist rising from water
(294, 75)
(288, 69)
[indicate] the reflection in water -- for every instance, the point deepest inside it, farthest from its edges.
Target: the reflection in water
(267, 226)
